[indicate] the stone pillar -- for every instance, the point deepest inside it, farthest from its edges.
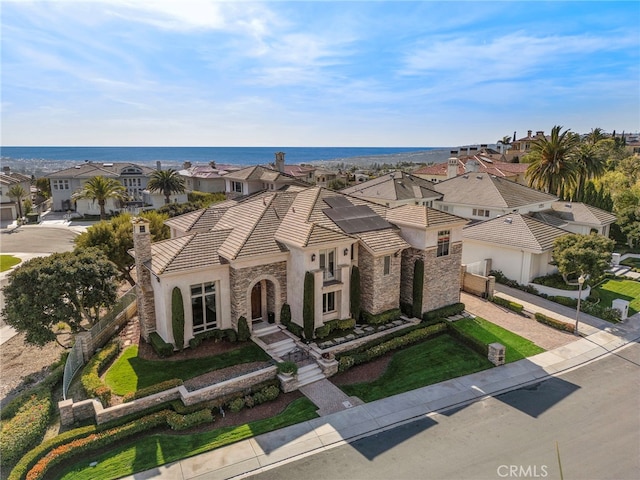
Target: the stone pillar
(497, 353)
(66, 412)
(491, 286)
(144, 288)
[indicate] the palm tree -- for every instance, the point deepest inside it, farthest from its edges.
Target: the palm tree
(505, 141)
(552, 168)
(167, 182)
(595, 136)
(101, 189)
(18, 192)
(590, 164)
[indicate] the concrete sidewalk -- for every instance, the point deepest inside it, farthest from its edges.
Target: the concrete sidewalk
(297, 441)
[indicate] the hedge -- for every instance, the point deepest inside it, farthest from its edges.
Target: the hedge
(552, 322)
(331, 325)
(183, 422)
(469, 340)
(162, 348)
(513, 306)
(216, 334)
(381, 318)
(443, 312)
(348, 360)
(355, 296)
(308, 310)
(90, 378)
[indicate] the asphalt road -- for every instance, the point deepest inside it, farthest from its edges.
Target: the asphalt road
(37, 239)
(592, 414)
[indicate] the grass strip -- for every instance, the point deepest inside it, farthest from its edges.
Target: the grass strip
(435, 360)
(8, 261)
(130, 373)
(624, 289)
(158, 449)
(487, 332)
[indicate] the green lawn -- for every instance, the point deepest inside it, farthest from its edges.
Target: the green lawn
(130, 373)
(426, 363)
(8, 261)
(631, 262)
(155, 450)
(487, 332)
(618, 288)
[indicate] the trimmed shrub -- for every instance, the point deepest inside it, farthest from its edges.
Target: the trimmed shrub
(244, 333)
(285, 315)
(443, 312)
(557, 324)
(162, 348)
(230, 334)
(355, 296)
(287, 367)
(516, 307)
(566, 301)
(271, 392)
(308, 310)
(153, 389)
(418, 286)
(177, 317)
(467, 339)
(554, 280)
(323, 331)
(380, 318)
(296, 329)
(236, 404)
(183, 422)
(90, 378)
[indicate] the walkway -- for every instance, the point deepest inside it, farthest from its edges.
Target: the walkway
(542, 335)
(328, 398)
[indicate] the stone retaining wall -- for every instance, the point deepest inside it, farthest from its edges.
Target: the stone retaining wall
(71, 412)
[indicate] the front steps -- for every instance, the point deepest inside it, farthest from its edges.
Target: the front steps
(309, 374)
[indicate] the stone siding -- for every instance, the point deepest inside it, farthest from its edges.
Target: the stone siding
(409, 257)
(144, 288)
(442, 278)
(240, 279)
(379, 292)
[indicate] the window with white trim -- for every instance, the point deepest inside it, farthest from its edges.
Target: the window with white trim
(444, 237)
(236, 187)
(329, 302)
(480, 212)
(61, 184)
(203, 306)
(328, 263)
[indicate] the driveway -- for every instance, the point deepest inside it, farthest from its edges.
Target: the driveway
(31, 239)
(542, 335)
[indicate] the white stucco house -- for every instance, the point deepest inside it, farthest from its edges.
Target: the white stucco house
(248, 257)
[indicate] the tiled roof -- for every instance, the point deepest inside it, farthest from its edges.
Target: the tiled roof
(422, 216)
(484, 190)
(394, 186)
(295, 227)
(516, 231)
(485, 165)
(581, 213)
(93, 169)
(382, 241)
(204, 219)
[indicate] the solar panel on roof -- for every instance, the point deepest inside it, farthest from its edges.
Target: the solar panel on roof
(356, 219)
(338, 202)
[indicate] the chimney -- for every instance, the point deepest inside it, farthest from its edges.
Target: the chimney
(529, 133)
(212, 164)
(186, 165)
(6, 170)
(158, 165)
(540, 133)
(452, 167)
(280, 161)
(144, 287)
(471, 166)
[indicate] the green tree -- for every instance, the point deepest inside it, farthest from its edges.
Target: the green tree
(595, 136)
(576, 255)
(71, 288)
(115, 238)
(167, 182)
(551, 166)
(244, 333)
(100, 189)
(337, 184)
(627, 208)
(18, 193)
(590, 164)
(44, 186)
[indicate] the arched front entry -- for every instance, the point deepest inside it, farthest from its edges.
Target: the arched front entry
(263, 300)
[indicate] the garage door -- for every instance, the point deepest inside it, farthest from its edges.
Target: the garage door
(6, 213)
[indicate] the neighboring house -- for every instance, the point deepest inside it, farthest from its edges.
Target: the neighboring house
(65, 183)
(522, 146)
(250, 180)
(207, 178)
(577, 218)
(480, 196)
(8, 206)
(395, 189)
(480, 163)
(518, 245)
(248, 257)
(323, 177)
(306, 173)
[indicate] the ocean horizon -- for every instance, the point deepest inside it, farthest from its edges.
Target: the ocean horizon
(243, 156)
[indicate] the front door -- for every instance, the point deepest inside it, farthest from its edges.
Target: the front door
(256, 302)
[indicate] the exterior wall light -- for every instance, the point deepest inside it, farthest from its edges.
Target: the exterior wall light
(346, 252)
(313, 257)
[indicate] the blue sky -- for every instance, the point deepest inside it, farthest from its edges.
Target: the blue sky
(361, 73)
